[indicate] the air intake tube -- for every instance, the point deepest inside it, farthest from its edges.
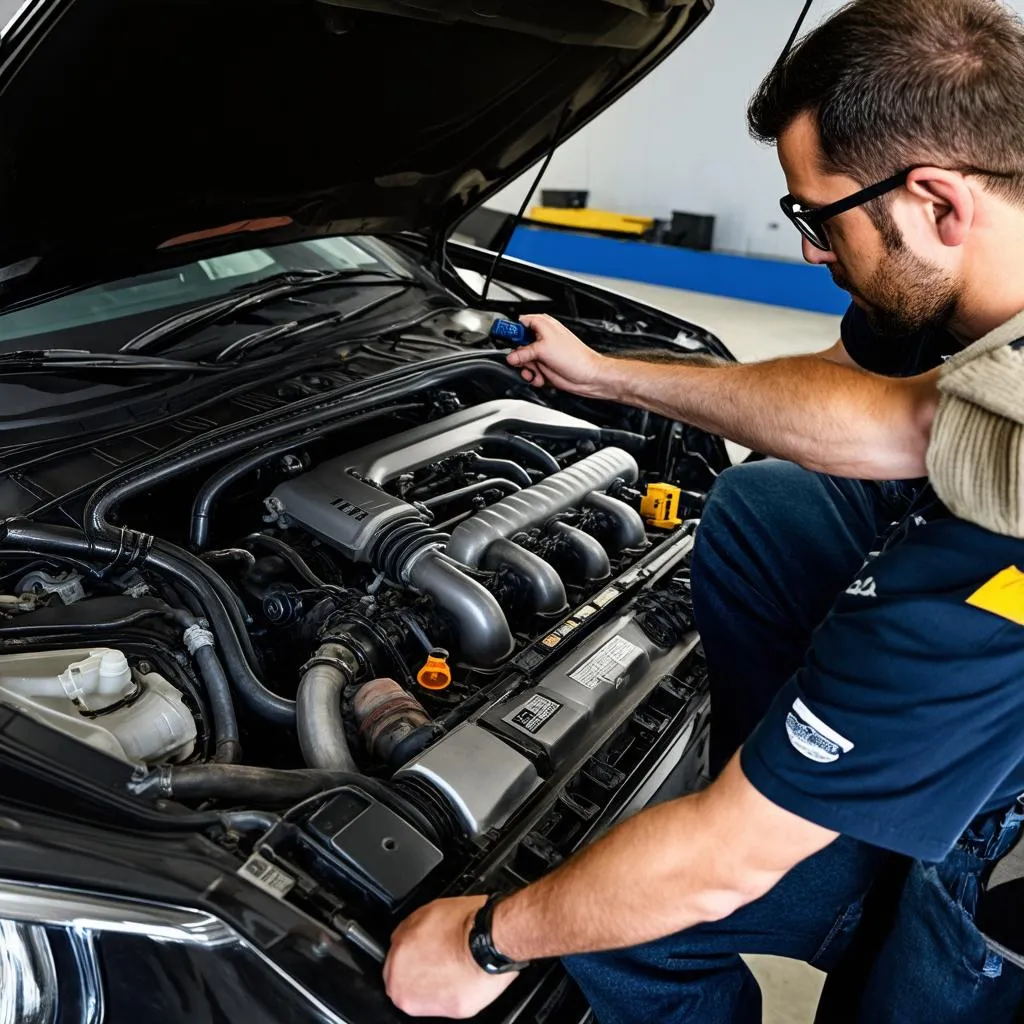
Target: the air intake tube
(319, 719)
(484, 636)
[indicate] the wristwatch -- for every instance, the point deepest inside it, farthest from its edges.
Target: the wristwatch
(481, 945)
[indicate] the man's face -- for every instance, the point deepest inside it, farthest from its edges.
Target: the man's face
(900, 290)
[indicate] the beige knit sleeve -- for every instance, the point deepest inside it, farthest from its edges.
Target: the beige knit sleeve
(975, 457)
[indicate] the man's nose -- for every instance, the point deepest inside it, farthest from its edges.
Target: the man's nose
(814, 255)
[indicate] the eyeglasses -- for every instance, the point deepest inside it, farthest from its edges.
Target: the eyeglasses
(810, 222)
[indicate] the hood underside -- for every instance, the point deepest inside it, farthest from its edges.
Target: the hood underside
(125, 124)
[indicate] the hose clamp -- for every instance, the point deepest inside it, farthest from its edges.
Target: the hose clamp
(327, 661)
(197, 637)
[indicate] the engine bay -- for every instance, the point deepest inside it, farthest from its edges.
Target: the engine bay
(413, 627)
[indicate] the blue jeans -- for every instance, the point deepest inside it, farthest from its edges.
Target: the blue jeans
(775, 546)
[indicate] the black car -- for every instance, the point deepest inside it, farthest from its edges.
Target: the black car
(311, 609)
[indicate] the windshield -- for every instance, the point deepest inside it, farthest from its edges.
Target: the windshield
(101, 318)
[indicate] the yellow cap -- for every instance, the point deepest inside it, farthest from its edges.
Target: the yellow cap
(660, 506)
(435, 673)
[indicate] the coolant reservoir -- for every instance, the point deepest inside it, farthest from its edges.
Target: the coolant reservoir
(93, 695)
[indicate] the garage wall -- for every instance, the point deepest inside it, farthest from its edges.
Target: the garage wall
(679, 139)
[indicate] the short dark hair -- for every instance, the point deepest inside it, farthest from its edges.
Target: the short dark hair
(896, 83)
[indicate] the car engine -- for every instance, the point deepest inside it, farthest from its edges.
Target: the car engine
(413, 623)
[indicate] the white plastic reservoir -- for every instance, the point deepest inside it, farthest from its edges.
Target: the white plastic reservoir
(93, 694)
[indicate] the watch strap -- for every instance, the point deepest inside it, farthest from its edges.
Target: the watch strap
(481, 943)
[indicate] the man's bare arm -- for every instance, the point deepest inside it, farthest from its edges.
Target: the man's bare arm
(810, 409)
(701, 858)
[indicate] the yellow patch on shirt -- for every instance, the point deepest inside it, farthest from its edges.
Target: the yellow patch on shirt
(1003, 595)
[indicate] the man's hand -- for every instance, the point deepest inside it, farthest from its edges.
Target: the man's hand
(560, 359)
(430, 971)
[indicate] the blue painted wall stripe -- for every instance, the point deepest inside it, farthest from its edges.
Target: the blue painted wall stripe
(776, 282)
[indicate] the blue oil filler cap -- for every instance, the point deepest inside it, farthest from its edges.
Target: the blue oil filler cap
(512, 333)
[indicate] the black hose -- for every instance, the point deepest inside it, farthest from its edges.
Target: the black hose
(501, 467)
(533, 452)
(478, 487)
(210, 492)
(286, 552)
(230, 555)
(275, 787)
(227, 748)
(61, 540)
(77, 628)
(225, 617)
(89, 570)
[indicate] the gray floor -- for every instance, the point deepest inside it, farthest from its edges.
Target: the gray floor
(755, 332)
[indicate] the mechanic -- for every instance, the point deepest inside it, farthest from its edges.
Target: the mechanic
(871, 683)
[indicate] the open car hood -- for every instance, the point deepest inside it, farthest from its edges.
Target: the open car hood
(126, 124)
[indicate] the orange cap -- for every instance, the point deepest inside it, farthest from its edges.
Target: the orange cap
(435, 674)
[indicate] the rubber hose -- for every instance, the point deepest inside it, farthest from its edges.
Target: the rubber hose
(533, 452)
(319, 718)
(273, 787)
(291, 556)
(244, 783)
(60, 540)
(477, 487)
(501, 467)
(227, 748)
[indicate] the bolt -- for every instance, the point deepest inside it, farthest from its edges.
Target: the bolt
(291, 464)
(145, 668)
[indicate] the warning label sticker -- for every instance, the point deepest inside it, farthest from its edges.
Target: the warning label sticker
(608, 665)
(271, 879)
(606, 597)
(534, 713)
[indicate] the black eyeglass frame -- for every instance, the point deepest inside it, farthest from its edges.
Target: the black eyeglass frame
(811, 223)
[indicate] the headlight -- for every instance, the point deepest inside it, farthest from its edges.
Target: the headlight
(28, 977)
(116, 958)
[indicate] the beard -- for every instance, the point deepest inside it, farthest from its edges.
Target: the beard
(905, 294)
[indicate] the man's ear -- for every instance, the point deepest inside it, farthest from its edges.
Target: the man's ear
(949, 199)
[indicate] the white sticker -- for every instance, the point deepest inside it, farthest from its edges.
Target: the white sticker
(532, 715)
(266, 876)
(608, 665)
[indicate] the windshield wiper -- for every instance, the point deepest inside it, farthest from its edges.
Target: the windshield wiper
(34, 360)
(295, 328)
(279, 286)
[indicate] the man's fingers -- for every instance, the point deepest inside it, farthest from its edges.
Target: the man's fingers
(524, 354)
(534, 320)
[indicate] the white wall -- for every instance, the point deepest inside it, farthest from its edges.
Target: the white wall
(678, 140)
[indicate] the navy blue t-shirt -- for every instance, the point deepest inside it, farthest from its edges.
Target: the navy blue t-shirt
(907, 719)
(894, 357)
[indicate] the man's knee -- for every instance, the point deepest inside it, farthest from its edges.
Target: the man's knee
(747, 502)
(755, 495)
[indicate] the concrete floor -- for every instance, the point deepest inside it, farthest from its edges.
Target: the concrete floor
(752, 331)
